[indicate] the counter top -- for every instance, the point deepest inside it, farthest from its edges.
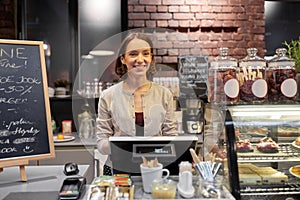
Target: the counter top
(139, 194)
(47, 179)
(91, 142)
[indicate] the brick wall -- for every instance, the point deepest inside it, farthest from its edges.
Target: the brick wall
(201, 26)
(7, 19)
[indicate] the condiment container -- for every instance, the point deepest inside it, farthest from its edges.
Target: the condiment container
(210, 189)
(163, 189)
(281, 78)
(251, 76)
(185, 186)
(223, 86)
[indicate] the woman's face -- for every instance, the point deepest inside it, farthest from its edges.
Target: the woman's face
(137, 57)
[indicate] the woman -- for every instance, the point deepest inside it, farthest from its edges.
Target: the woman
(135, 105)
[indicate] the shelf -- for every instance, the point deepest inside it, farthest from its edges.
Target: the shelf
(270, 189)
(286, 153)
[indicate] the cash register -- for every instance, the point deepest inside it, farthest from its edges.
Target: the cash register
(127, 152)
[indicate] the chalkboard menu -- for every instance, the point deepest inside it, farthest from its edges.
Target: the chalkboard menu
(25, 119)
(193, 75)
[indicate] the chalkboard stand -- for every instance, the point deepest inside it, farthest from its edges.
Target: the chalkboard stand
(25, 106)
(20, 163)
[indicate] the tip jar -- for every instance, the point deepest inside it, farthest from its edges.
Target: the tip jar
(223, 86)
(163, 189)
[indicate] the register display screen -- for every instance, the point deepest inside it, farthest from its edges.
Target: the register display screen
(154, 149)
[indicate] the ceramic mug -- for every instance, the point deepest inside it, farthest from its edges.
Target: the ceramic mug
(149, 174)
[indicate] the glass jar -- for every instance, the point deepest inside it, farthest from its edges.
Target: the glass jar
(163, 189)
(212, 189)
(223, 86)
(281, 78)
(251, 76)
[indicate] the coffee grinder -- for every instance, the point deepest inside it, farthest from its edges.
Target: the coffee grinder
(192, 114)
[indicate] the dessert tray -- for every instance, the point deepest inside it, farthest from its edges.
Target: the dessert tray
(294, 145)
(295, 171)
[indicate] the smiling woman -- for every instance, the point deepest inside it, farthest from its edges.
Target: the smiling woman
(135, 106)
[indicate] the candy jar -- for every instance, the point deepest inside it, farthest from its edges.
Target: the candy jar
(223, 86)
(251, 76)
(281, 78)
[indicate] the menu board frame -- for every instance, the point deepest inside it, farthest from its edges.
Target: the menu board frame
(24, 89)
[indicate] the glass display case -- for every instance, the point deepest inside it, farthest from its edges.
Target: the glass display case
(263, 146)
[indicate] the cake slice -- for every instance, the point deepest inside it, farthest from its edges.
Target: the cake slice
(250, 179)
(244, 146)
(267, 145)
(276, 178)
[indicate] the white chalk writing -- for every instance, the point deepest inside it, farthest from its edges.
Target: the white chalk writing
(8, 150)
(22, 131)
(24, 140)
(18, 122)
(13, 100)
(5, 141)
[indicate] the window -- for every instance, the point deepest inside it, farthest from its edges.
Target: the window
(282, 23)
(70, 29)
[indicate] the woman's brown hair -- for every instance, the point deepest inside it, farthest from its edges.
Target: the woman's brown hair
(120, 68)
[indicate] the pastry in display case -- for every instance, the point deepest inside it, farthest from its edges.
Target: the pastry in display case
(243, 146)
(267, 145)
(263, 144)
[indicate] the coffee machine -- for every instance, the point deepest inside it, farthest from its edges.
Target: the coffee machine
(192, 109)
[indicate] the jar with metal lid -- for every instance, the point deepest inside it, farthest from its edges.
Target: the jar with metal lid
(281, 78)
(223, 86)
(251, 76)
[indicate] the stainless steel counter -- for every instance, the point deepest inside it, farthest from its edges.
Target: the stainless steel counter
(89, 142)
(39, 179)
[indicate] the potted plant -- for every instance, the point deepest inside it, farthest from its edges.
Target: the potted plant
(293, 51)
(61, 87)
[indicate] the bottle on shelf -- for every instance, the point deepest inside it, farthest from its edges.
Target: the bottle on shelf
(96, 88)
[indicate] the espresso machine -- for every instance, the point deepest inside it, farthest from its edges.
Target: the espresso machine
(192, 109)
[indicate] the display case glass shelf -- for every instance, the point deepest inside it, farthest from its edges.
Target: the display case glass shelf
(263, 147)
